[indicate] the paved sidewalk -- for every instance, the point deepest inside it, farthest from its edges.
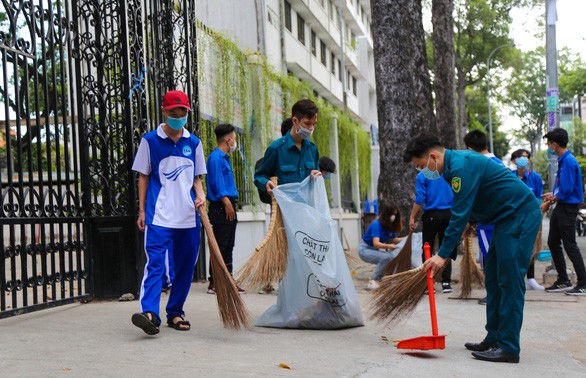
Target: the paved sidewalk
(97, 339)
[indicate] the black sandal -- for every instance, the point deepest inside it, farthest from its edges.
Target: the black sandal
(142, 321)
(177, 325)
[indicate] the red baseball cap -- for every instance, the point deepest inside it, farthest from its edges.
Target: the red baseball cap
(175, 99)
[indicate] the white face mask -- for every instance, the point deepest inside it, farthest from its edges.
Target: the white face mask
(234, 147)
(303, 132)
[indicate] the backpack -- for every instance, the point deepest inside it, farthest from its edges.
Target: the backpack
(262, 194)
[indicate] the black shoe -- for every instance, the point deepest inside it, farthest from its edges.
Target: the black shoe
(480, 347)
(559, 286)
(482, 301)
(578, 290)
(446, 287)
(496, 355)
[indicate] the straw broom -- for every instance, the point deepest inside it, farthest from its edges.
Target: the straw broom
(402, 262)
(538, 242)
(470, 272)
(232, 309)
(398, 295)
(269, 261)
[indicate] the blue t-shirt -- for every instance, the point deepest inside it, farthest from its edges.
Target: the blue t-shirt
(433, 194)
(533, 181)
(568, 180)
(220, 179)
(376, 230)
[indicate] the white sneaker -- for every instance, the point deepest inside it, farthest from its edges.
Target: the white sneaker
(372, 285)
(533, 285)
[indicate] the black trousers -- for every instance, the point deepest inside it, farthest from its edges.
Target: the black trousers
(562, 229)
(224, 231)
(435, 223)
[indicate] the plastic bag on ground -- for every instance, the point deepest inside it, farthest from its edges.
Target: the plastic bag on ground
(317, 291)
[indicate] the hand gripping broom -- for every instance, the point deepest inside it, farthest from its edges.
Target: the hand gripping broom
(232, 309)
(269, 260)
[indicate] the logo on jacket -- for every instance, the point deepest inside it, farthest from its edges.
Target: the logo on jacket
(186, 150)
(456, 184)
(172, 176)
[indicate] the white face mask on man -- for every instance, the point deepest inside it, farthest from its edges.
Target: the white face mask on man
(234, 147)
(303, 132)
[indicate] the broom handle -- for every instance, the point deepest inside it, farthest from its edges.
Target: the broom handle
(430, 291)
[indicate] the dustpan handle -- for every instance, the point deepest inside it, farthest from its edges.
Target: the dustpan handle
(430, 291)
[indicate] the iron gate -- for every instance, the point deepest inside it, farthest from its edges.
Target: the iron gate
(80, 83)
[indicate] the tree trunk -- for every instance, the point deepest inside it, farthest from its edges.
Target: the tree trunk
(444, 66)
(461, 109)
(403, 94)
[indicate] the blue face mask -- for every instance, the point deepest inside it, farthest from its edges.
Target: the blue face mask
(176, 123)
(327, 175)
(428, 173)
(550, 151)
(521, 162)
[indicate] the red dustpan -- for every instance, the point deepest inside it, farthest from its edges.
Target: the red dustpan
(427, 342)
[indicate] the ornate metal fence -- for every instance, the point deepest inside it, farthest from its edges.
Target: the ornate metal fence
(80, 83)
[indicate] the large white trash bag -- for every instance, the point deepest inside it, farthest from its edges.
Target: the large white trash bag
(317, 290)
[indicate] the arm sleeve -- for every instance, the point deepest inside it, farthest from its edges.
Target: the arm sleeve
(200, 161)
(461, 211)
(142, 161)
(567, 181)
(266, 169)
(420, 190)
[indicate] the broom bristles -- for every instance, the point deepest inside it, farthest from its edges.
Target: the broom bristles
(269, 261)
(402, 262)
(398, 296)
(232, 308)
(470, 272)
(538, 242)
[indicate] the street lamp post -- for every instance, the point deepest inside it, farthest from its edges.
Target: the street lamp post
(488, 91)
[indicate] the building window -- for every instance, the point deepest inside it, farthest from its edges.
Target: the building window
(354, 85)
(322, 47)
(333, 64)
(331, 10)
(300, 29)
(313, 43)
(288, 16)
(339, 70)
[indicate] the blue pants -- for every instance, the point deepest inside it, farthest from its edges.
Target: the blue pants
(506, 265)
(184, 246)
(376, 256)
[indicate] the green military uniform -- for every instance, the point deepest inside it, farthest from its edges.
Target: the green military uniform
(286, 161)
(489, 193)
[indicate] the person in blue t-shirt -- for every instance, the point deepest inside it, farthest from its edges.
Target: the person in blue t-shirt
(533, 180)
(379, 240)
(169, 162)
(435, 198)
(222, 194)
(567, 193)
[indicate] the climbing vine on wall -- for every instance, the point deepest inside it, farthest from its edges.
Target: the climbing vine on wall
(242, 88)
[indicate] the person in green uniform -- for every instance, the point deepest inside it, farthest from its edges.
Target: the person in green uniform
(292, 157)
(477, 181)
